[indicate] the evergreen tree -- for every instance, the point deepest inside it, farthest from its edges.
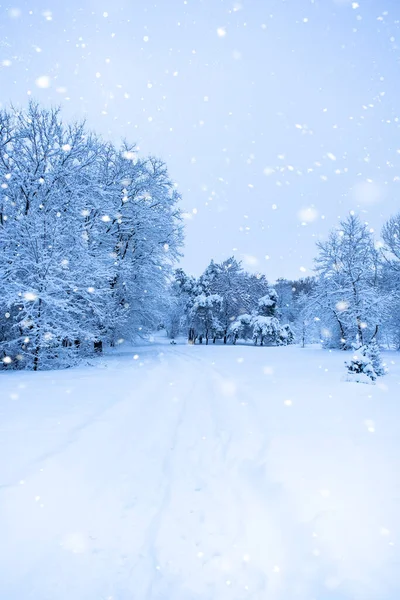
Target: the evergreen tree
(267, 304)
(373, 353)
(360, 366)
(286, 335)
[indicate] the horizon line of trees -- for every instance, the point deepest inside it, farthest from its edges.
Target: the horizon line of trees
(355, 296)
(352, 300)
(90, 235)
(225, 303)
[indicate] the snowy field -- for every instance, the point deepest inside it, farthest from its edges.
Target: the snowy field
(200, 473)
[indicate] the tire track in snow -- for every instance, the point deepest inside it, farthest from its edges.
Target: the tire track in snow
(149, 549)
(255, 494)
(227, 480)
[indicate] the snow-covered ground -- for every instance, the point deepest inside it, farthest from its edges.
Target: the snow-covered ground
(194, 472)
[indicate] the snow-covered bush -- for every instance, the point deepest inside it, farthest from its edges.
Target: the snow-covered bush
(366, 362)
(286, 335)
(373, 353)
(264, 330)
(360, 367)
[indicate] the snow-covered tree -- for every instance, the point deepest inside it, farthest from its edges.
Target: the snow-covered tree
(391, 237)
(365, 362)
(303, 322)
(181, 294)
(348, 297)
(241, 328)
(227, 280)
(286, 297)
(51, 284)
(256, 286)
(391, 279)
(204, 316)
(147, 237)
(266, 327)
(209, 280)
(360, 367)
(266, 331)
(286, 335)
(373, 353)
(267, 304)
(87, 239)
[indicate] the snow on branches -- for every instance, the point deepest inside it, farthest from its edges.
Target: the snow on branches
(229, 304)
(89, 234)
(366, 364)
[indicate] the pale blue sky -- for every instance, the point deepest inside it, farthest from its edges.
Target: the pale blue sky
(261, 108)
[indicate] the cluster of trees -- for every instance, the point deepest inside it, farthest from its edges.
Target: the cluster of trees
(89, 237)
(354, 297)
(226, 303)
(353, 300)
(89, 234)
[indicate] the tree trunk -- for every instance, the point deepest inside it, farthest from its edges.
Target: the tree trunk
(37, 349)
(360, 331)
(342, 333)
(375, 333)
(191, 337)
(200, 339)
(98, 346)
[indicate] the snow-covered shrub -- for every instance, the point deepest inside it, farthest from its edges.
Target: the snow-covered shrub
(373, 353)
(286, 335)
(360, 367)
(264, 330)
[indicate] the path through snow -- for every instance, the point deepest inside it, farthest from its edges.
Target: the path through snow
(200, 473)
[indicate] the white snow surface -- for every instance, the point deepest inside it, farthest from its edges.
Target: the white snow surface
(200, 472)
